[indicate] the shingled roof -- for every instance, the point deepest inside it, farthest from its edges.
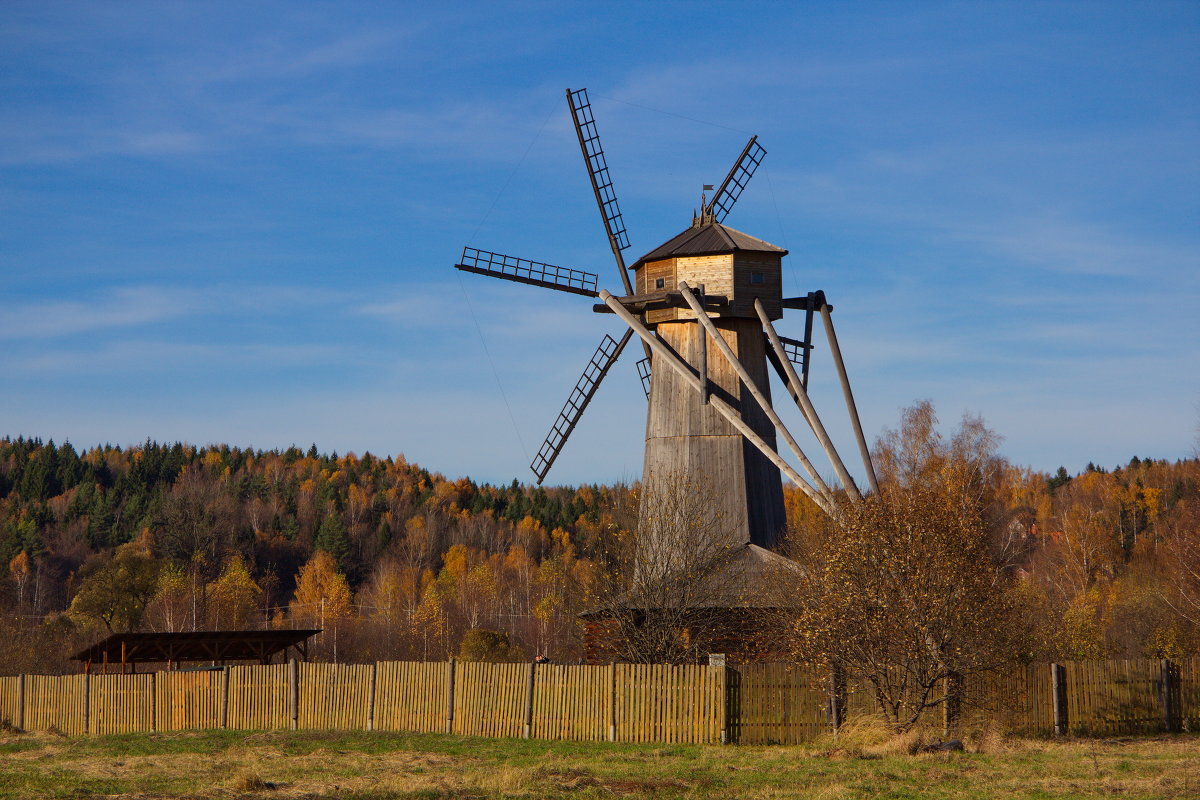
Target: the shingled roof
(708, 239)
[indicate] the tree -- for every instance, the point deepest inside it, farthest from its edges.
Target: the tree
(116, 594)
(234, 599)
(322, 596)
(902, 589)
(484, 645)
(18, 568)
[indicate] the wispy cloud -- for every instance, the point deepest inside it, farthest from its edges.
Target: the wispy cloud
(133, 306)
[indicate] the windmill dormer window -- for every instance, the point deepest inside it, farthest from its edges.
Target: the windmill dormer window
(660, 283)
(756, 278)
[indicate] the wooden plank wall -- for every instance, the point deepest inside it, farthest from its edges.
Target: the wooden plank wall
(55, 702)
(121, 704)
(668, 703)
(1189, 693)
(572, 702)
(489, 699)
(334, 696)
(411, 696)
(763, 703)
(1119, 696)
(10, 686)
(188, 700)
(258, 697)
(780, 704)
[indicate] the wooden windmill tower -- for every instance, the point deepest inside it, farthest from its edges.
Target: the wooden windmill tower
(703, 304)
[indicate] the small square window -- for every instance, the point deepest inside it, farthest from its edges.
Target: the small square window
(660, 283)
(756, 278)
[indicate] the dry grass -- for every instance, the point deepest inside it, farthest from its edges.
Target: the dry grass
(864, 760)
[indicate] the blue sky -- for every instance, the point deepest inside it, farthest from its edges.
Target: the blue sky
(236, 222)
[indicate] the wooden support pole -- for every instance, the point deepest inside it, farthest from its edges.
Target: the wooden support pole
(87, 703)
(529, 700)
(1058, 690)
(450, 696)
(612, 702)
(703, 334)
(719, 672)
(837, 698)
(759, 397)
(724, 409)
(806, 406)
(224, 699)
(293, 694)
(20, 720)
(827, 318)
(1169, 687)
(371, 698)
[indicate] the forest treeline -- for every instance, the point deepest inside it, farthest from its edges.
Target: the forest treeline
(395, 562)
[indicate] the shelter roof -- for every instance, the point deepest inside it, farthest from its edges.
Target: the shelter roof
(133, 648)
(708, 238)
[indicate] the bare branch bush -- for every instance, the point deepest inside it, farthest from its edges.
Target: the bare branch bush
(664, 592)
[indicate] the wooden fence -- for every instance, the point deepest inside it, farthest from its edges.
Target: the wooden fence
(749, 704)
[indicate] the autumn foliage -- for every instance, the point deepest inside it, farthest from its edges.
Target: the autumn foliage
(395, 562)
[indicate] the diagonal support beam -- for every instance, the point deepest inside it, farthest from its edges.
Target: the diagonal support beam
(755, 392)
(723, 408)
(827, 318)
(796, 386)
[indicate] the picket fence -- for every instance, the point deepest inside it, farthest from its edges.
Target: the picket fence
(749, 704)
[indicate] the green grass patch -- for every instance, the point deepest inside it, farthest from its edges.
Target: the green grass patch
(372, 766)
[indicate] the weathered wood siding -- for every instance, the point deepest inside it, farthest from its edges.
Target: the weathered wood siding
(688, 440)
(745, 291)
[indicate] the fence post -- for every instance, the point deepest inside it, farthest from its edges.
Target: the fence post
(293, 693)
(87, 702)
(20, 720)
(1058, 687)
(612, 701)
(1170, 696)
(450, 696)
(371, 698)
(153, 702)
(837, 698)
(529, 700)
(716, 662)
(224, 712)
(953, 703)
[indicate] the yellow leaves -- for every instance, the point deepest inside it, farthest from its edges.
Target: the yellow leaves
(234, 598)
(322, 593)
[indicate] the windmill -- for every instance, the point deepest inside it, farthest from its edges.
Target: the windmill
(710, 288)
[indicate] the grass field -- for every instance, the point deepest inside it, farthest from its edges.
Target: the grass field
(384, 765)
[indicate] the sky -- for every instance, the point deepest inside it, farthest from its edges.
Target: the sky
(236, 223)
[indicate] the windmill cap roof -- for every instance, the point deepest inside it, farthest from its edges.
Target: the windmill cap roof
(706, 239)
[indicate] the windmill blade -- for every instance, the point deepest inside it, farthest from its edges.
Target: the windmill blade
(798, 353)
(602, 360)
(736, 180)
(643, 368)
(522, 270)
(597, 167)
